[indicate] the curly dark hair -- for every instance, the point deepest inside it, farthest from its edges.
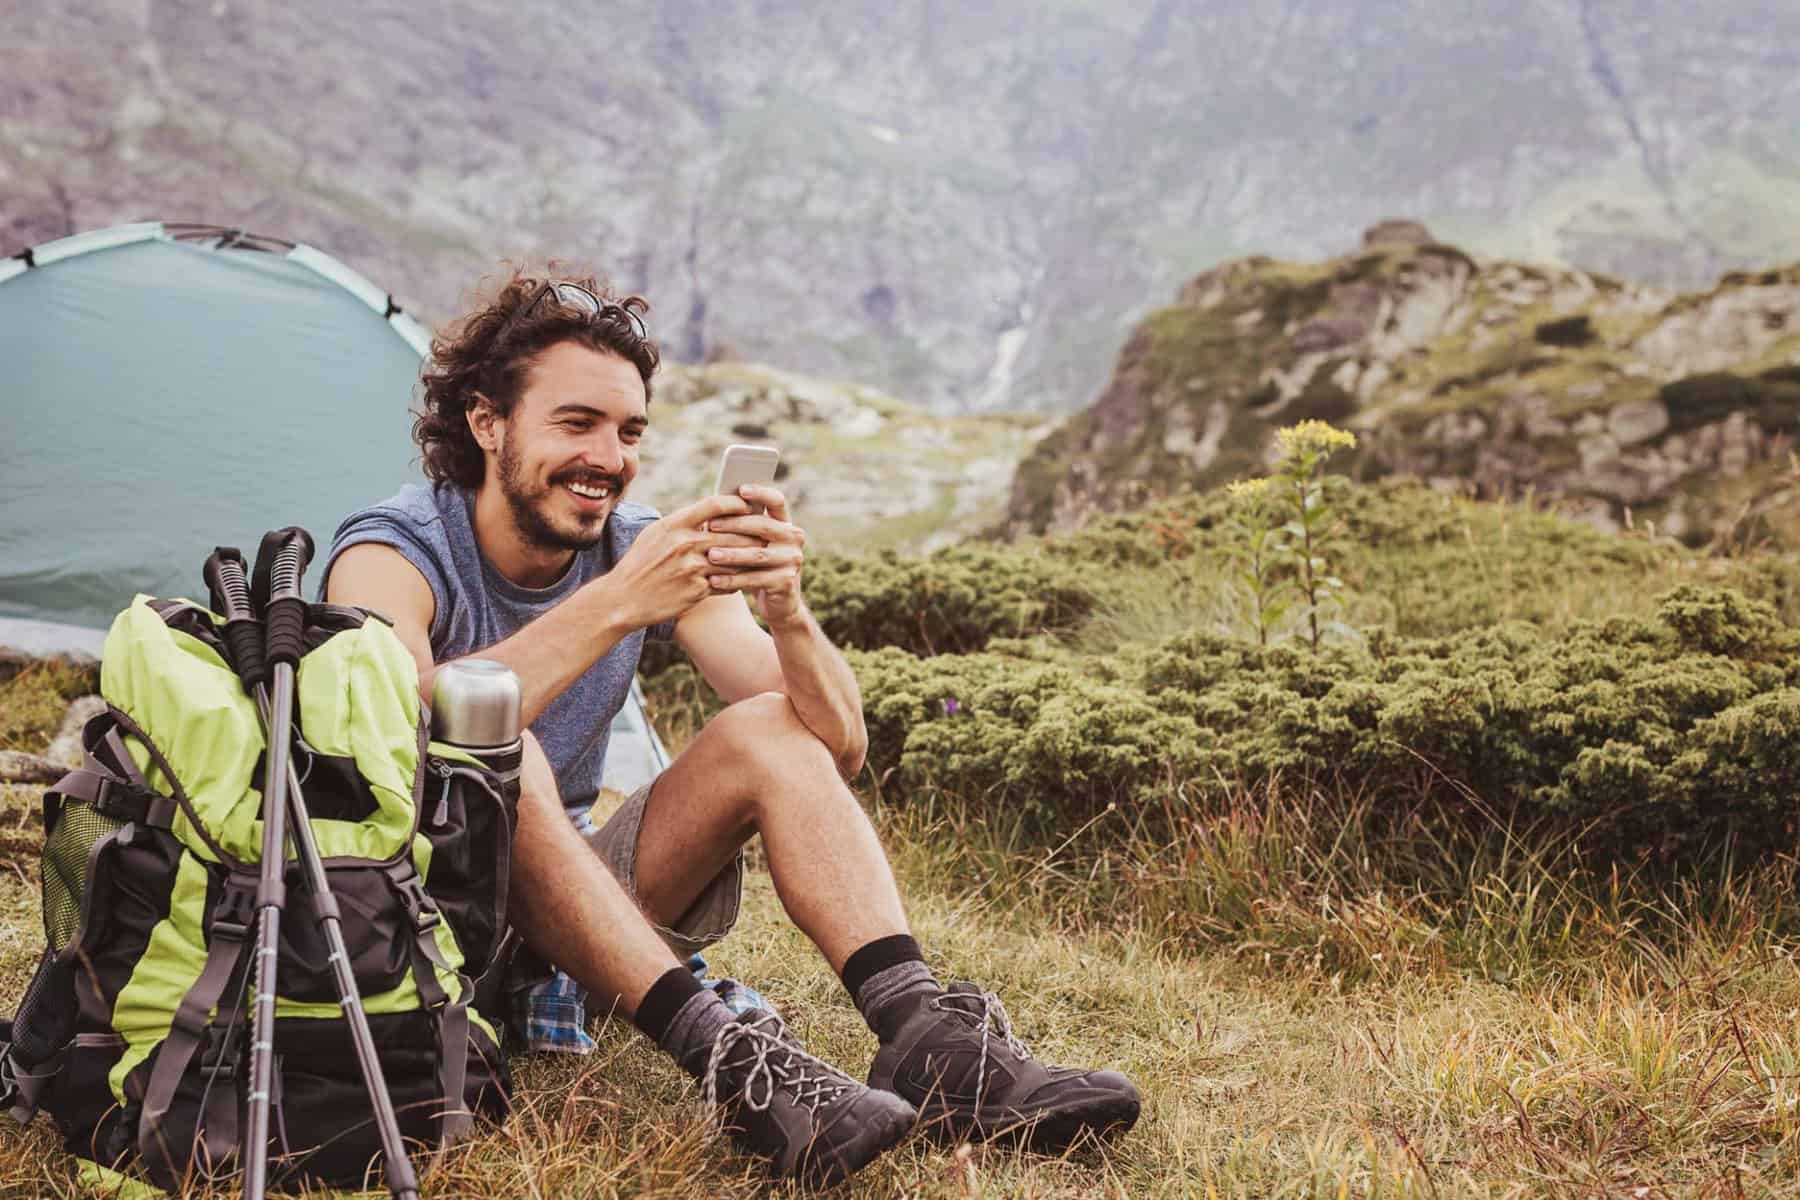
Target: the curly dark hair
(491, 352)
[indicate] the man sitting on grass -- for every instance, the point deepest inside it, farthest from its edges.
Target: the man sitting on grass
(523, 549)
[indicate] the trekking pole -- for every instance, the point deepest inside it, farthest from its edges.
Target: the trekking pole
(225, 577)
(280, 564)
(231, 597)
(403, 1183)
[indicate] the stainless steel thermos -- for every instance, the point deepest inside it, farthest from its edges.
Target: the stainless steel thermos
(475, 704)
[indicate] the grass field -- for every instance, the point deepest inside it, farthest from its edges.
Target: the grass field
(1342, 1035)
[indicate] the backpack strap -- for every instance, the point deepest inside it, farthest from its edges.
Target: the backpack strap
(108, 781)
(228, 940)
(22, 1088)
(452, 1015)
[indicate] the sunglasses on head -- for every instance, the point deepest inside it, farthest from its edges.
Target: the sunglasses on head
(573, 295)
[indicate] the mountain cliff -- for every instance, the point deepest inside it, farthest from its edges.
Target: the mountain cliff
(1622, 402)
(964, 205)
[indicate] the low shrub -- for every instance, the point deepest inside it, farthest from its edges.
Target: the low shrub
(1053, 742)
(1649, 736)
(954, 601)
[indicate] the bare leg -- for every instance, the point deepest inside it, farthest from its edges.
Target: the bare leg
(567, 904)
(756, 768)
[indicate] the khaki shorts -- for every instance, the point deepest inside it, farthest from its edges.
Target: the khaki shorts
(709, 918)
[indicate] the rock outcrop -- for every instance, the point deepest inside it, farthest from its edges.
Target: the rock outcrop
(1623, 403)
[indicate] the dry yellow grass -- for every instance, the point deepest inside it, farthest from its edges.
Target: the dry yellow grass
(1653, 1068)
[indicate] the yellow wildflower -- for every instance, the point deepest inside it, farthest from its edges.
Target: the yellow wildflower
(1246, 491)
(1313, 436)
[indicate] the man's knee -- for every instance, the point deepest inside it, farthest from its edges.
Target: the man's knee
(765, 728)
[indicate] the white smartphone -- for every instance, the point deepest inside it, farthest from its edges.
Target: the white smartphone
(746, 464)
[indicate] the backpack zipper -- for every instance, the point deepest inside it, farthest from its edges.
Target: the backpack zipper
(447, 773)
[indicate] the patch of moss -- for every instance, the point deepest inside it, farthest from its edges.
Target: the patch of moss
(1518, 362)
(33, 700)
(1321, 399)
(1572, 331)
(1038, 474)
(1700, 400)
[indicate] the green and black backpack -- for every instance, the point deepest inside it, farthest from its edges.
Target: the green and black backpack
(133, 1032)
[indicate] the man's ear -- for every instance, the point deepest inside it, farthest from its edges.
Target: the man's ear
(484, 422)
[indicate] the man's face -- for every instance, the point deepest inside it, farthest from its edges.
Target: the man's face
(570, 448)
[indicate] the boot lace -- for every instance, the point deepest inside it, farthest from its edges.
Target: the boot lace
(987, 1011)
(771, 1059)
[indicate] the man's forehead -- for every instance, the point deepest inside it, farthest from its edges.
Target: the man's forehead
(569, 375)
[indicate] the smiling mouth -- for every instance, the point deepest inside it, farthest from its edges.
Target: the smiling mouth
(591, 491)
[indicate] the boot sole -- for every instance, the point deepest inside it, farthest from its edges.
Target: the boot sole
(860, 1151)
(1100, 1117)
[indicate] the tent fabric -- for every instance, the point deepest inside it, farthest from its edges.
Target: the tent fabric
(167, 389)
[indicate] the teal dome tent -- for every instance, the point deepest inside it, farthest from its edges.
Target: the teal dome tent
(169, 388)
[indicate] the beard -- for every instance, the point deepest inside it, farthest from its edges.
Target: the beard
(530, 505)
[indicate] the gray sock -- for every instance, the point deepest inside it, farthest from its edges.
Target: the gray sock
(885, 997)
(690, 1036)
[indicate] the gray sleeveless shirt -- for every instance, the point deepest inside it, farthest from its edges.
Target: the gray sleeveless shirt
(432, 526)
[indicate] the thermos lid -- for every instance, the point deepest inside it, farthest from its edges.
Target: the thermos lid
(475, 702)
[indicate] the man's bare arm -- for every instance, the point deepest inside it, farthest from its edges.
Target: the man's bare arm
(738, 659)
(661, 577)
(548, 655)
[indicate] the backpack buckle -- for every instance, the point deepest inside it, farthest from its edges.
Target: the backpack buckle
(235, 913)
(120, 800)
(419, 905)
(219, 1052)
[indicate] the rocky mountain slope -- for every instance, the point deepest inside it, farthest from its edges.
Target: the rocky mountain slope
(1623, 403)
(965, 205)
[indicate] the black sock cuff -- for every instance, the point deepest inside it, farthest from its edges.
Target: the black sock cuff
(656, 1012)
(877, 957)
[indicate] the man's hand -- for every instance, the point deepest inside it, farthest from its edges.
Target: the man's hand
(666, 571)
(764, 557)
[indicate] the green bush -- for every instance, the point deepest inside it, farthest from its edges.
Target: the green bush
(1648, 736)
(1044, 739)
(954, 601)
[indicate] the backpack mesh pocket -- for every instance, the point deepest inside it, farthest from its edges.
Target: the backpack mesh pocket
(68, 851)
(46, 1016)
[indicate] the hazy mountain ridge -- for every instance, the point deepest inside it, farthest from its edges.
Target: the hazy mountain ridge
(964, 205)
(1624, 402)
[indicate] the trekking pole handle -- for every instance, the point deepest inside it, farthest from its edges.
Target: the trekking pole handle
(280, 564)
(230, 591)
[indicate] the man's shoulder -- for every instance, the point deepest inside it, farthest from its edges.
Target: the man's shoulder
(417, 513)
(416, 503)
(414, 521)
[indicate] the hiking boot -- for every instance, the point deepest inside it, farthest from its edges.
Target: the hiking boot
(957, 1059)
(808, 1118)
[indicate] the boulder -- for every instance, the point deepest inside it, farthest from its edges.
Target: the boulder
(1397, 231)
(1630, 424)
